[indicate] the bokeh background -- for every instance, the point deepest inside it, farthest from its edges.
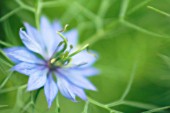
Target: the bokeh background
(132, 38)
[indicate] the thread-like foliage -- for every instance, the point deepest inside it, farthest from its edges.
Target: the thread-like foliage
(131, 37)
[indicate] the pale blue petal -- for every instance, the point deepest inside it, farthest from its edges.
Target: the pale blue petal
(78, 92)
(89, 71)
(57, 26)
(49, 36)
(72, 37)
(77, 80)
(9, 50)
(27, 68)
(37, 79)
(22, 54)
(81, 82)
(64, 88)
(51, 90)
(30, 43)
(84, 58)
(35, 34)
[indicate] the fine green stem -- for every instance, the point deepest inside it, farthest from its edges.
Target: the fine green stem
(133, 104)
(35, 97)
(101, 105)
(25, 109)
(159, 11)
(57, 105)
(139, 105)
(130, 82)
(21, 6)
(10, 14)
(86, 11)
(138, 6)
(12, 89)
(9, 63)
(6, 80)
(104, 6)
(19, 2)
(135, 27)
(123, 9)
(37, 14)
(100, 33)
(85, 110)
(5, 44)
(116, 103)
(53, 3)
(157, 109)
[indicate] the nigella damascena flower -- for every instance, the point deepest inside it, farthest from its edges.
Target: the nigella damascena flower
(52, 62)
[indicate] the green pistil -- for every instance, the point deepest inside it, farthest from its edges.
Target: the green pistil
(63, 57)
(63, 42)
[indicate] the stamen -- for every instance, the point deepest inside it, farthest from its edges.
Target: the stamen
(76, 52)
(83, 48)
(84, 63)
(79, 65)
(71, 47)
(52, 60)
(91, 52)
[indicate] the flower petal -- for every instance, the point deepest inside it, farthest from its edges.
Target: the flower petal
(18, 54)
(72, 37)
(34, 33)
(27, 68)
(84, 58)
(57, 26)
(89, 71)
(51, 90)
(79, 92)
(49, 36)
(11, 57)
(77, 80)
(64, 88)
(37, 79)
(31, 43)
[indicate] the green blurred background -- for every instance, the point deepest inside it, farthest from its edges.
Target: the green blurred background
(133, 42)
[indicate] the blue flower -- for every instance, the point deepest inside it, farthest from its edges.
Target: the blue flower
(50, 65)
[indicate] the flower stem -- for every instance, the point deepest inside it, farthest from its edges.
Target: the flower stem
(132, 75)
(86, 107)
(57, 105)
(37, 14)
(36, 95)
(34, 99)
(102, 106)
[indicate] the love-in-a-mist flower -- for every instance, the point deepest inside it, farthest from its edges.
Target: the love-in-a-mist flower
(53, 62)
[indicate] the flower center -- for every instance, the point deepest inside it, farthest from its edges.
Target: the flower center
(50, 64)
(63, 57)
(57, 62)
